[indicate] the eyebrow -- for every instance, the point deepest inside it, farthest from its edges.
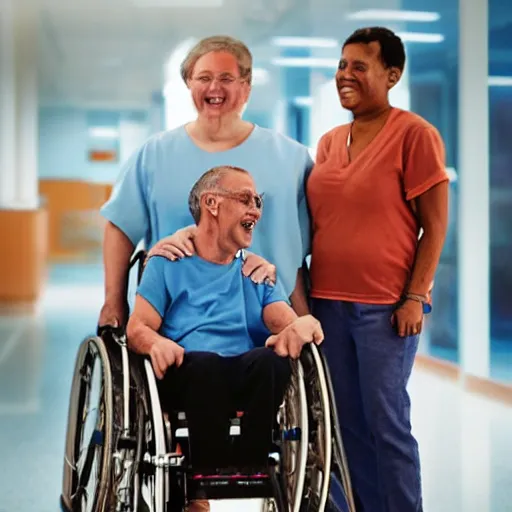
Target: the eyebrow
(206, 72)
(355, 62)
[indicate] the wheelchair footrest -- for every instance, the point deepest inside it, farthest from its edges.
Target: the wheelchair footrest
(236, 486)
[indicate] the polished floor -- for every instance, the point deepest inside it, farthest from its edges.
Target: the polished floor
(465, 441)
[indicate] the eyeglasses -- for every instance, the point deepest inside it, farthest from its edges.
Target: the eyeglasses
(223, 79)
(245, 197)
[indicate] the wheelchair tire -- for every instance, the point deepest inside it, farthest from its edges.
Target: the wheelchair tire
(319, 460)
(117, 482)
(73, 491)
(294, 425)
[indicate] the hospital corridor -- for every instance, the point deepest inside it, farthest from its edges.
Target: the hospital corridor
(353, 158)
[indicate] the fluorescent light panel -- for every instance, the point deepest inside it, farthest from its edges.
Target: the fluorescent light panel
(305, 62)
(177, 3)
(420, 37)
(305, 42)
(394, 15)
(500, 81)
(104, 132)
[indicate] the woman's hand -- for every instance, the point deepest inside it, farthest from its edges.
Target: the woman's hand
(177, 246)
(408, 318)
(259, 269)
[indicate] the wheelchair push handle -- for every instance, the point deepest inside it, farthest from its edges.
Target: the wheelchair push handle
(116, 331)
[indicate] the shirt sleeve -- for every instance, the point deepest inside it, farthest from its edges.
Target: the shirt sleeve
(322, 148)
(273, 294)
(304, 215)
(127, 207)
(153, 285)
(424, 161)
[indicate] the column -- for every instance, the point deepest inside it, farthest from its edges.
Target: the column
(18, 105)
(473, 234)
(23, 225)
(157, 113)
(295, 87)
(27, 103)
(7, 107)
(178, 104)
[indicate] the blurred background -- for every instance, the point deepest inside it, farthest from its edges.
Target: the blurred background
(83, 83)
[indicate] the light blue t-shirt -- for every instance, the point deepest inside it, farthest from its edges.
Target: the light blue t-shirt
(206, 306)
(150, 199)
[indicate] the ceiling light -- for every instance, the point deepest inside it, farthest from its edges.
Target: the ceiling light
(177, 3)
(500, 81)
(104, 132)
(394, 15)
(419, 37)
(308, 42)
(305, 62)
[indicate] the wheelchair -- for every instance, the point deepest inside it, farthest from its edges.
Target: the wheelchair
(123, 452)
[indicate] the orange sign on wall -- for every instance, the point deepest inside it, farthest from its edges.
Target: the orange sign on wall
(97, 155)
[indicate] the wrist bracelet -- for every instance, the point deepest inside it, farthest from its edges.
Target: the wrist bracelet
(416, 297)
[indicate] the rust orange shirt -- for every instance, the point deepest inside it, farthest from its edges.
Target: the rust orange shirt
(364, 230)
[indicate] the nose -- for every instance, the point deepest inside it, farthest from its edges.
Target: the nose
(214, 83)
(255, 211)
(345, 74)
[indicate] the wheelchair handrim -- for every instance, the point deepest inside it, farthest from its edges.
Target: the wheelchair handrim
(94, 348)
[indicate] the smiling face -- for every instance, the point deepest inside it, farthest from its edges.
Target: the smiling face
(237, 207)
(362, 80)
(216, 86)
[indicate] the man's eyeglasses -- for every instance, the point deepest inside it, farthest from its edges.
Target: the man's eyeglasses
(245, 197)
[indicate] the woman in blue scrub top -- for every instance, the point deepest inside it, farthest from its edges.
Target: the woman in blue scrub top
(149, 201)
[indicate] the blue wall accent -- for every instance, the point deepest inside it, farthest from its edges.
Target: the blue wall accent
(64, 142)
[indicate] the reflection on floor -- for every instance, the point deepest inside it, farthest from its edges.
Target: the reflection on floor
(465, 441)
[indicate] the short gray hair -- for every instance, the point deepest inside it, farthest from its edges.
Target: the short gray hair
(208, 182)
(219, 44)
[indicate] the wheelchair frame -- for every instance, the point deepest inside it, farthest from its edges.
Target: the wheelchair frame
(132, 452)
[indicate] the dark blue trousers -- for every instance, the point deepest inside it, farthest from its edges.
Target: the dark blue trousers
(370, 366)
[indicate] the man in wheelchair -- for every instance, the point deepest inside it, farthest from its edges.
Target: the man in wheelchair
(218, 342)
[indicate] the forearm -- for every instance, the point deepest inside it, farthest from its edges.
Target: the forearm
(117, 250)
(277, 323)
(298, 297)
(428, 253)
(141, 337)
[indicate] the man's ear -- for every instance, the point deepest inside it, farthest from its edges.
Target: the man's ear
(211, 203)
(394, 76)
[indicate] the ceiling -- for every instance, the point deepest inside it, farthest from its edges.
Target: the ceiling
(111, 53)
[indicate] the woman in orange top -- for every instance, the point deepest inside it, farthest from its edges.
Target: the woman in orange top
(377, 182)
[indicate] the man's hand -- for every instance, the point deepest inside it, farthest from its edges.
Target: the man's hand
(177, 246)
(259, 269)
(289, 342)
(165, 353)
(114, 313)
(408, 318)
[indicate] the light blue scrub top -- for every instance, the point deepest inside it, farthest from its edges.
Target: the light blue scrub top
(150, 199)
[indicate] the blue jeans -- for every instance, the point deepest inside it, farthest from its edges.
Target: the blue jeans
(370, 366)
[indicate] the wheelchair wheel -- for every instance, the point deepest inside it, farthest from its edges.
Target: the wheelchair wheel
(101, 456)
(319, 455)
(294, 426)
